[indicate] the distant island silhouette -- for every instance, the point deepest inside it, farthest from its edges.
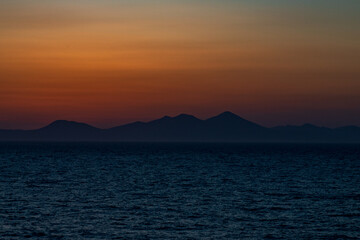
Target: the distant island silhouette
(225, 127)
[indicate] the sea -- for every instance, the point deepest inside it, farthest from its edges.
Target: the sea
(179, 191)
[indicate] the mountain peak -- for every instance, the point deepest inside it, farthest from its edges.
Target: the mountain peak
(62, 122)
(185, 116)
(231, 119)
(59, 124)
(228, 114)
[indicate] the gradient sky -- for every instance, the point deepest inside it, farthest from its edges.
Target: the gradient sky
(109, 62)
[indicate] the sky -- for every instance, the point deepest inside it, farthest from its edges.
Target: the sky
(110, 62)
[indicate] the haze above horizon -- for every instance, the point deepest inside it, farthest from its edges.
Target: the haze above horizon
(108, 63)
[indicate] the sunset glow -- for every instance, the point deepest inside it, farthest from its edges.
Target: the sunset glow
(112, 62)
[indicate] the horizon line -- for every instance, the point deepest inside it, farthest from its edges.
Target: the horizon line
(177, 116)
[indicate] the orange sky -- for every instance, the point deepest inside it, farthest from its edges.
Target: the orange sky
(111, 62)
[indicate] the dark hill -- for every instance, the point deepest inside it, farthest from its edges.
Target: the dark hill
(225, 127)
(61, 125)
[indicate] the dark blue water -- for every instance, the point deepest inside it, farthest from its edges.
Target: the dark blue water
(179, 191)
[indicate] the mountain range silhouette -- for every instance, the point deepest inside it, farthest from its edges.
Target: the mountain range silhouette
(225, 127)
